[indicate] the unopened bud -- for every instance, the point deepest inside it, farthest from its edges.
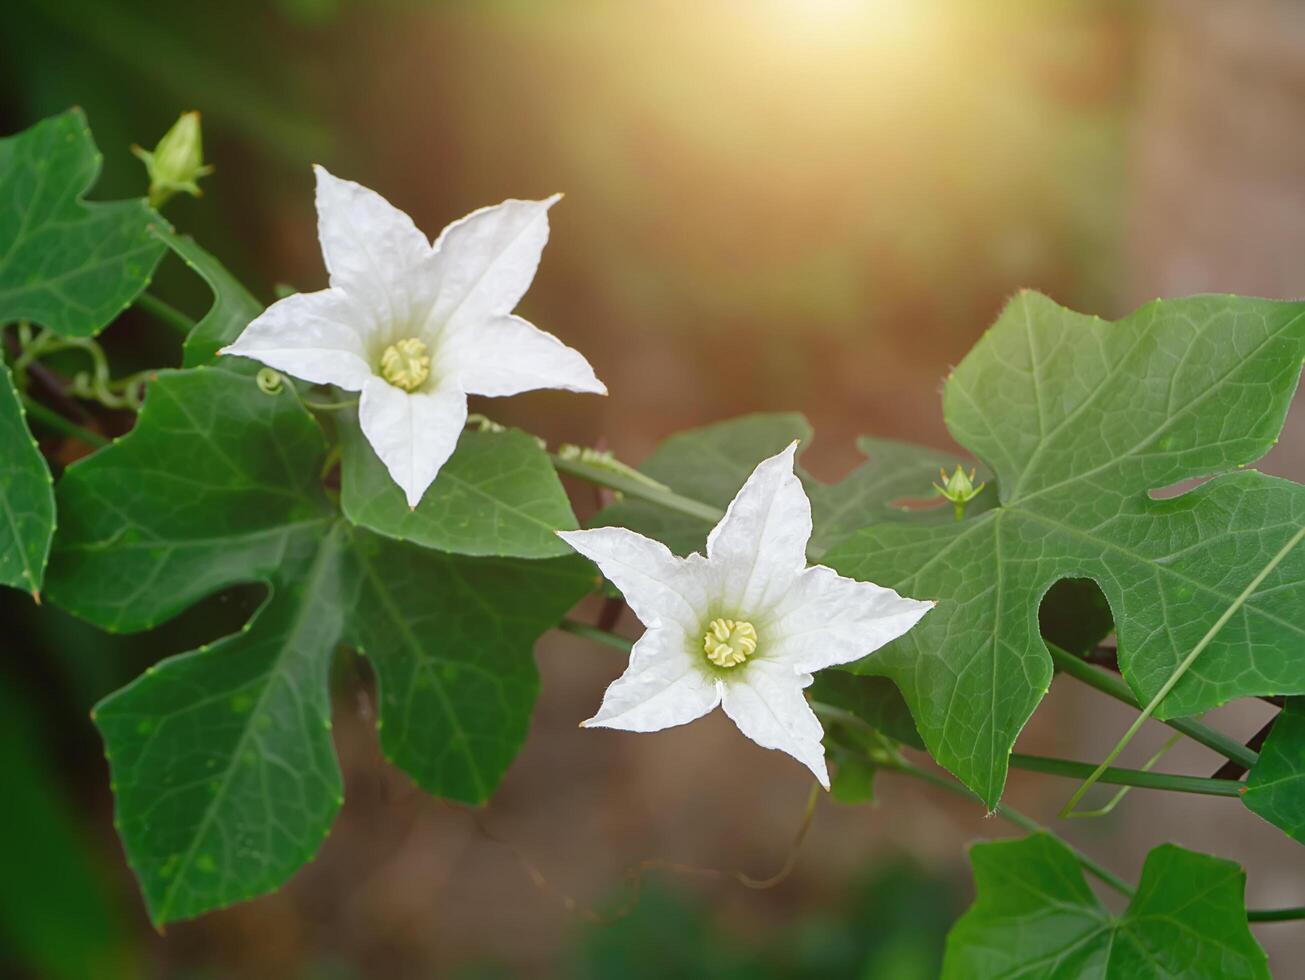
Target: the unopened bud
(959, 488)
(177, 162)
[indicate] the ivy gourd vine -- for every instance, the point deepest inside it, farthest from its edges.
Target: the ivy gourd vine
(287, 475)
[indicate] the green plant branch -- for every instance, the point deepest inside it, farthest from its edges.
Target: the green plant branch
(1141, 778)
(1276, 915)
(1009, 813)
(1114, 801)
(1183, 667)
(94, 385)
(1113, 686)
(53, 420)
(165, 312)
(597, 635)
(620, 482)
(891, 761)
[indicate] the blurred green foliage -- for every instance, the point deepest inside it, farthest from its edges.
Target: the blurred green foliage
(890, 927)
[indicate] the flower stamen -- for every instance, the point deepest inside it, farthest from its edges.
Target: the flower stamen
(729, 642)
(406, 364)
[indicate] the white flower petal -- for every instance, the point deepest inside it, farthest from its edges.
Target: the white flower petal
(661, 588)
(663, 687)
(485, 262)
(765, 700)
(826, 619)
(506, 355)
(413, 433)
(759, 546)
(318, 337)
(374, 253)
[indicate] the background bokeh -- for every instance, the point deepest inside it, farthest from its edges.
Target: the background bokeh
(770, 204)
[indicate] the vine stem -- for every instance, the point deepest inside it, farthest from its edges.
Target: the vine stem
(1009, 813)
(1034, 764)
(1142, 778)
(613, 480)
(1113, 686)
(1276, 915)
(1182, 668)
(895, 763)
(165, 312)
(54, 420)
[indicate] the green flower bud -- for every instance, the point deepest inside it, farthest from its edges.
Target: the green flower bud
(959, 488)
(177, 162)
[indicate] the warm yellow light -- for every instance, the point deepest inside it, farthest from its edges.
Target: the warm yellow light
(849, 31)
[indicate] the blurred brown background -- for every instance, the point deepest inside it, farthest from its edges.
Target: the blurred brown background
(781, 204)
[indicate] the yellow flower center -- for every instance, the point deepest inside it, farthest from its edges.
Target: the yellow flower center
(406, 364)
(729, 642)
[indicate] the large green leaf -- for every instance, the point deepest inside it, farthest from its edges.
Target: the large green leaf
(222, 759)
(497, 495)
(1276, 786)
(26, 496)
(447, 636)
(1080, 419)
(1036, 917)
(223, 767)
(711, 463)
(65, 263)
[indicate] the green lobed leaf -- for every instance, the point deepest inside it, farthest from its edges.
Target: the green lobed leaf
(222, 762)
(455, 690)
(1080, 419)
(214, 486)
(224, 771)
(65, 263)
(26, 496)
(497, 495)
(711, 463)
(233, 305)
(1275, 788)
(1036, 917)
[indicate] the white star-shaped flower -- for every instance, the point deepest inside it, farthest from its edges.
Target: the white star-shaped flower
(417, 327)
(746, 626)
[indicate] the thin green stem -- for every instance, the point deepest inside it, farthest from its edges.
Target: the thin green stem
(52, 419)
(329, 406)
(1183, 667)
(1276, 915)
(594, 633)
(1127, 777)
(165, 312)
(1114, 801)
(613, 480)
(1113, 686)
(1019, 819)
(894, 763)
(1032, 763)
